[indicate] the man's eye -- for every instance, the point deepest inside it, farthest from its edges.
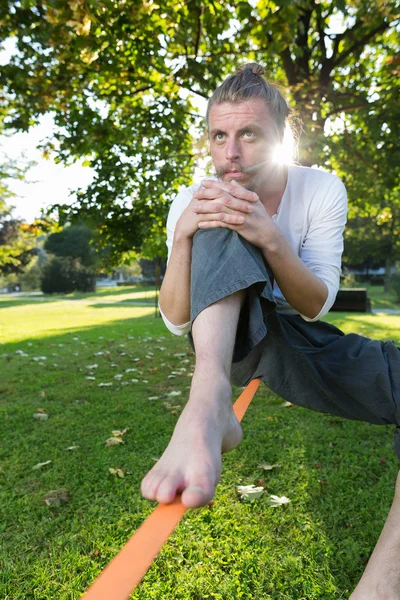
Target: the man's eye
(219, 137)
(249, 135)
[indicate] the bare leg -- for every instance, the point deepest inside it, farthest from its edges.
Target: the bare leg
(191, 464)
(381, 578)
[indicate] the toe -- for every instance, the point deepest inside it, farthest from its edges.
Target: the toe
(150, 484)
(168, 488)
(198, 494)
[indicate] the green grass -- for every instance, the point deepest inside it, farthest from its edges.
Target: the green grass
(339, 475)
(380, 298)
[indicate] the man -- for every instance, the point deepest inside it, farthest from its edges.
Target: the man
(254, 263)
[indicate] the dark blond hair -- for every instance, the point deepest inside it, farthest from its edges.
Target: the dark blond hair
(246, 84)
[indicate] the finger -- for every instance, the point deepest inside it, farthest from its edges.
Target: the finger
(226, 204)
(231, 219)
(234, 188)
(215, 224)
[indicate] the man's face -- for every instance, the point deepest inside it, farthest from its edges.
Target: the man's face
(242, 137)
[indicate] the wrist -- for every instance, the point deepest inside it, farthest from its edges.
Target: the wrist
(181, 238)
(274, 243)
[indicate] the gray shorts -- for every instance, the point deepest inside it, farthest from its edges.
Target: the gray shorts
(314, 365)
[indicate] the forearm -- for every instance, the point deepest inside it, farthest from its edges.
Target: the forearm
(174, 296)
(303, 290)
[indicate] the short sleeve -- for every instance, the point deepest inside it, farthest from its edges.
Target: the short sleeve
(323, 244)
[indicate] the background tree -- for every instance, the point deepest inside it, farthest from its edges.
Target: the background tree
(120, 79)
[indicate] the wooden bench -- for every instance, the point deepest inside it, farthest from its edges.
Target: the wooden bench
(352, 299)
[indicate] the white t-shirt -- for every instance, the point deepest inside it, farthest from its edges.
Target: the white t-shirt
(311, 215)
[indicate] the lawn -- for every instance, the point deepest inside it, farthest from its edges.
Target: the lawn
(55, 354)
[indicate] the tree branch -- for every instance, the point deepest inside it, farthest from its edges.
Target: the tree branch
(199, 30)
(358, 44)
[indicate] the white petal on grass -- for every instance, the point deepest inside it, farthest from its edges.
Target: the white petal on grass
(286, 404)
(268, 467)
(72, 447)
(92, 366)
(40, 416)
(21, 353)
(250, 492)
(275, 501)
(130, 370)
(90, 378)
(37, 358)
(153, 397)
(135, 380)
(145, 381)
(40, 465)
(125, 382)
(105, 384)
(119, 376)
(174, 393)
(171, 376)
(180, 354)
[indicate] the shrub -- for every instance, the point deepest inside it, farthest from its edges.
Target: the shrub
(65, 275)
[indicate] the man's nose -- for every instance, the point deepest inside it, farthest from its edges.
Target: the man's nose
(232, 150)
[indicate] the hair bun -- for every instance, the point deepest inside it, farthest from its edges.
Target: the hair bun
(255, 68)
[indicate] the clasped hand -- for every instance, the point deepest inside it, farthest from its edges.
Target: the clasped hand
(232, 206)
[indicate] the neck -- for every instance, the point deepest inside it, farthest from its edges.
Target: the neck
(272, 186)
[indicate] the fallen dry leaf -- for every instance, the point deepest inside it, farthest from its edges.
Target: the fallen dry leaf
(267, 467)
(40, 465)
(118, 472)
(118, 433)
(113, 441)
(56, 497)
(41, 416)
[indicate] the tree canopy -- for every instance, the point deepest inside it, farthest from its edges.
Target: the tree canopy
(120, 79)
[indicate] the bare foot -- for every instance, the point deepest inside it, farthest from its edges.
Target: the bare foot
(191, 463)
(381, 578)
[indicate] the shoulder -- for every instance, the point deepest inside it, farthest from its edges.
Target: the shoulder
(315, 177)
(318, 187)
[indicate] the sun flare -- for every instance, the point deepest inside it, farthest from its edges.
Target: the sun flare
(284, 153)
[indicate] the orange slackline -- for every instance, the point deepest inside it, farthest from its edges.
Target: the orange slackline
(128, 567)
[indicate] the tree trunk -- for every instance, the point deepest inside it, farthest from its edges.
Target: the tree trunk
(158, 270)
(388, 274)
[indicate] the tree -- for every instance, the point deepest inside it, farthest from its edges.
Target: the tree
(365, 152)
(73, 242)
(16, 247)
(120, 77)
